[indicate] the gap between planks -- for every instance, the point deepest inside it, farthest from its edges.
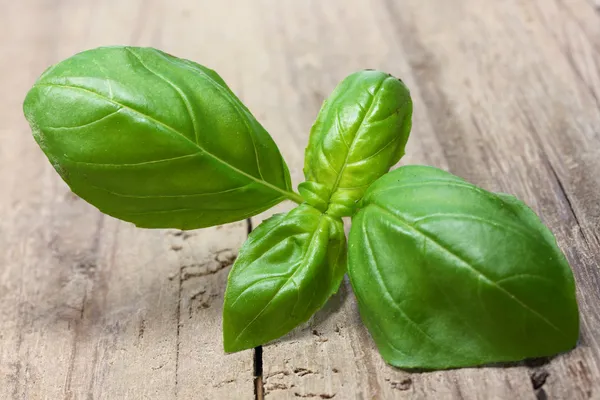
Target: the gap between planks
(259, 392)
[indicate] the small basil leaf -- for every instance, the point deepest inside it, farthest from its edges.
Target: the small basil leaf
(449, 275)
(155, 140)
(287, 269)
(359, 134)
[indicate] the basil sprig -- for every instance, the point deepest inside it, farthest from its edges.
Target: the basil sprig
(446, 274)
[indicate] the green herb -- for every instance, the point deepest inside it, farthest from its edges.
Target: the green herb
(446, 274)
(290, 265)
(155, 140)
(449, 275)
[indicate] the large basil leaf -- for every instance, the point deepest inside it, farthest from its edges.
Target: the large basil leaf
(287, 269)
(361, 132)
(449, 275)
(155, 140)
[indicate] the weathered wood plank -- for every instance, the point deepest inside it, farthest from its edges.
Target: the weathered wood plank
(506, 95)
(480, 96)
(92, 307)
(196, 31)
(508, 88)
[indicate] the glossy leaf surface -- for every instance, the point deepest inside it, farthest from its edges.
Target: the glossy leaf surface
(449, 275)
(287, 269)
(155, 140)
(359, 134)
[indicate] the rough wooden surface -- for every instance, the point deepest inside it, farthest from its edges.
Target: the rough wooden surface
(507, 95)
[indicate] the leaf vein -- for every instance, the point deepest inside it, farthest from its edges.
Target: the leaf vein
(338, 126)
(182, 96)
(133, 164)
(282, 192)
(158, 196)
(239, 110)
(84, 125)
(387, 292)
(351, 148)
(477, 272)
(510, 228)
(310, 244)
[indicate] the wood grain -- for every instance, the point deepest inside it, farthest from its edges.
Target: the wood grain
(486, 109)
(93, 308)
(506, 95)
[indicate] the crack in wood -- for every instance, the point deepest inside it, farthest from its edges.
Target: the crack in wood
(402, 385)
(178, 333)
(223, 383)
(218, 261)
(185, 235)
(211, 267)
(142, 329)
(259, 386)
(270, 387)
(301, 372)
(205, 301)
(538, 378)
(320, 395)
(567, 200)
(276, 373)
(87, 269)
(555, 177)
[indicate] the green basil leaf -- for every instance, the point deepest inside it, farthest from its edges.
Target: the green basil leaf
(155, 140)
(287, 269)
(360, 133)
(449, 275)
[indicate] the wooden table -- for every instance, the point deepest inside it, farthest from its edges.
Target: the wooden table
(507, 95)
